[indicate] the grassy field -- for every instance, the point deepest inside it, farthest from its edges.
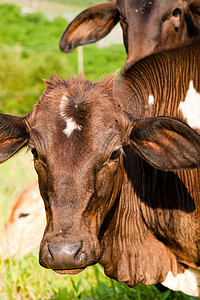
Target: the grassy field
(54, 5)
(22, 71)
(29, 52)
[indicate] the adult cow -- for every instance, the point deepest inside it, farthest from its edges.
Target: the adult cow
(148, 26)
(106, 168)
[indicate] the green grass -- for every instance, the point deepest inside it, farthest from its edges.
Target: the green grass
(29, 52)
(57, 6)
(22, 72)
(79, 3)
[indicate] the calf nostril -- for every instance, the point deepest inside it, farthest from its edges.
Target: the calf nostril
(80, 256)
(52, 251)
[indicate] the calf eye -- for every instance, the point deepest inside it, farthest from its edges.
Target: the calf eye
(176, 12)
(115, 154)
(23, 215)
(34, 152)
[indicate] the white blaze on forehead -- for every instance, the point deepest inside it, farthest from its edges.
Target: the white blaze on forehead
(71, 124)
(187, 282)
(190, 108)
(151, 100)
(63, 103)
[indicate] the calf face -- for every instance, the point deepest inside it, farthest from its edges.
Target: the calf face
(77, 178)
(148, 26)
(76, 134)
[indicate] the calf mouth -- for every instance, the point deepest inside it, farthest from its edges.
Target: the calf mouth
(69, 272)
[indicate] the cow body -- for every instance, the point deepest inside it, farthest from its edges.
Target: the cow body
(164, 84)
(148, 26)
(119, 176)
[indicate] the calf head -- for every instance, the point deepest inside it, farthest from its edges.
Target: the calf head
(76, 134)
(148, 26)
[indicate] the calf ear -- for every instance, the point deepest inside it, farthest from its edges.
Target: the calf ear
(13, 135)
(89, 26)
(166, 143)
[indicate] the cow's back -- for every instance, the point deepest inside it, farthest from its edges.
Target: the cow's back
(164, 84)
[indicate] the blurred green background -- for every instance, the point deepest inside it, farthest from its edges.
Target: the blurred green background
(29, 37)
(29, 52)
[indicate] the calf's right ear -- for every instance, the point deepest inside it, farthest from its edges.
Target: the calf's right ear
(14, 135)
(89, 26)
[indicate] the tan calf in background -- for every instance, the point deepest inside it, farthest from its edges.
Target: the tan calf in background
(24, 229)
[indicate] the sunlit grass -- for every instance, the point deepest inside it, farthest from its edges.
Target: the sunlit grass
(57, 6)
(25, 279)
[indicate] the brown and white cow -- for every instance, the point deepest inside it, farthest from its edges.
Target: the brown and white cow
(148, 26)
(25, 226)
(113, 171)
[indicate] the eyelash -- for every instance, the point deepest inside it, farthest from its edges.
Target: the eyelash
(34, 153)
(116, 154)
(23, 215)
(176, 12)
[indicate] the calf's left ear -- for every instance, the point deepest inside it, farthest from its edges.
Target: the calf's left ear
(166, 143)
(13, 135)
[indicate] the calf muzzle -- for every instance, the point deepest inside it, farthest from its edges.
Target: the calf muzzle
(65, 256)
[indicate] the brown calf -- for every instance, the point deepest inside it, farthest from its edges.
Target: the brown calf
(108, 171)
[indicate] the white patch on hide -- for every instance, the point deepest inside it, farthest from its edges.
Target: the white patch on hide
(190, 108)
(63, 102)
(71, 124)
(151, 100)
(187, 282)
